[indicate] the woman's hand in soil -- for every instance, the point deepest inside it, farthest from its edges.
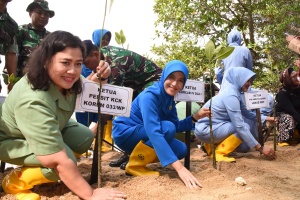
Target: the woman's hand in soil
(186, 176)
(107, 194)
(268, 151)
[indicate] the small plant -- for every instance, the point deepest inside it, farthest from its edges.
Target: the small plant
(10, 79)
(121, 38)
(214, 54)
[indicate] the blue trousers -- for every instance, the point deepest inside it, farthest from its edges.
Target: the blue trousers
(178, 147)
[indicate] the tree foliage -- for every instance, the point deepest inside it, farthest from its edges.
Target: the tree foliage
(186, 25)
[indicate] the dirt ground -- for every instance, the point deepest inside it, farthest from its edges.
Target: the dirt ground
(266, 179)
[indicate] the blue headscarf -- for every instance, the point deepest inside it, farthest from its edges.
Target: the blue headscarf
(158, 87)
(234, 37)
(236, 77)
(174, 66)
(96, 36)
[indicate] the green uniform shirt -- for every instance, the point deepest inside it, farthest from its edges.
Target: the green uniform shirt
(32, 121)
(8, 33)
(28, 39)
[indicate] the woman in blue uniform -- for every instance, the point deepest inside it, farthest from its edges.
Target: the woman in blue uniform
(148, 134)
(229, 128)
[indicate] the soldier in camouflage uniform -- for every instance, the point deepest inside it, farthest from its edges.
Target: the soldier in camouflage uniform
(31, 35)
(8, 32)
(130, 69)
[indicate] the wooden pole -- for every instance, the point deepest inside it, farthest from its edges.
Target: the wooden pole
(188, 137)
(260, 134)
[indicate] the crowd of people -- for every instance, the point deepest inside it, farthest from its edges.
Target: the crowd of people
(51, 67)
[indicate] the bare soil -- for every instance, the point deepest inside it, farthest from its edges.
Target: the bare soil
(266, 179)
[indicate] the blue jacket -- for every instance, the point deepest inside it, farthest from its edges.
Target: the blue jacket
(240, 57)
(152, 106)
(227, 106)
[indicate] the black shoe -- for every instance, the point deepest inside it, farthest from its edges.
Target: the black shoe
(202, 147)
(121, 160)
(123, 165)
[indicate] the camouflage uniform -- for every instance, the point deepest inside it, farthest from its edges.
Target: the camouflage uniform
(28, 39)
(8, 32)
(130, 69)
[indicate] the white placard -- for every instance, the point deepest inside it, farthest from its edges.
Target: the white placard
(256, 99)
(114, 100)
(193, 91)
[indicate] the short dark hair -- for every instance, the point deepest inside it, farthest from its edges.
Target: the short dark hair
(37, 68)
(90, 47)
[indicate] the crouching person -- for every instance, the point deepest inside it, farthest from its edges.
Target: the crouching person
(288, 108)
(230, 132)
(36, 131)
(148, 134)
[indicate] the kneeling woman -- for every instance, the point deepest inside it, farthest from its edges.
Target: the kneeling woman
(229, 129)
(36, 129)
(149, 132)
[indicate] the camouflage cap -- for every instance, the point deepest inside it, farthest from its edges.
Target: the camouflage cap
(40, 3)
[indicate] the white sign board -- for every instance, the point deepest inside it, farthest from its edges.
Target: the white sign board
(193, 91)
(256, 99)
(114, 100)
(2, 98)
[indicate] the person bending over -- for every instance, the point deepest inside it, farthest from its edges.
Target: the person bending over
(129, 69)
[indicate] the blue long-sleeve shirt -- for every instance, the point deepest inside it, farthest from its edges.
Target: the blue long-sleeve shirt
(240, 57)
(227, 106)
(149, 109)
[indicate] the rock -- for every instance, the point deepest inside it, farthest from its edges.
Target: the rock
(240, 181)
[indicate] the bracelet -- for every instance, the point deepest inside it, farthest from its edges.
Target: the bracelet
(193, 119)
(102, 79)
(260, 149)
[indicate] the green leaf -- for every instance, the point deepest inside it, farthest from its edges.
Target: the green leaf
(5, 78)
(117, 35)
(13, 79)
(122, 33)
(118, 38)
(209, 49)
(224, 53)
(123, 39)
(218, 49)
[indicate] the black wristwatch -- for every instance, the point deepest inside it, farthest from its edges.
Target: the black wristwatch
(260, 149)
(193, 119)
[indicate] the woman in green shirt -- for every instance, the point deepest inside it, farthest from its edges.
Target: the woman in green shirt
(36, 131)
